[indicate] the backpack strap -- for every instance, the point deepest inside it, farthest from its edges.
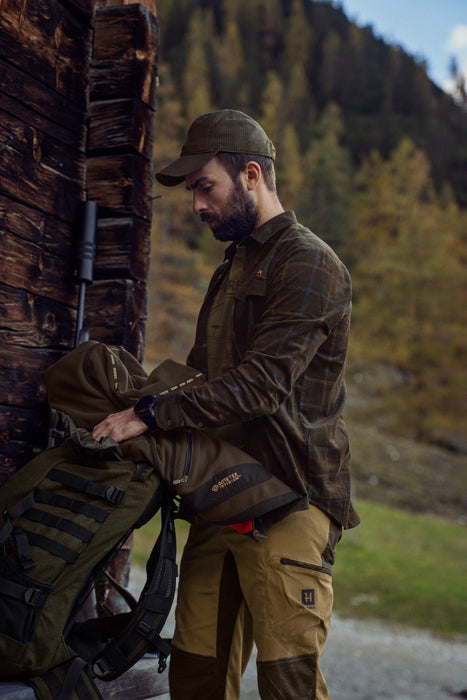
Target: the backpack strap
(69, 681)
(12, 513)
(140, 634)
(113, 494)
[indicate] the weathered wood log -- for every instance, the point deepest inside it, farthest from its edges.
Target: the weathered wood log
(123, 248)
(18, 422)
(31, 225)
(120, 126)
(21, 430)
(36, 168)
(123, 81)
(47, 41)
(121, 184)
(22, 374)
(32, 268)
(116, 313)
(23, 413)
(125, 54)
(40, 100)
(44, 81)
(35, 320)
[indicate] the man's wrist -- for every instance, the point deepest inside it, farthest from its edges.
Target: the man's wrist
(144, 409)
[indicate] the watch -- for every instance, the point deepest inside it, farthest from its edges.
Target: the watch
(144, 409)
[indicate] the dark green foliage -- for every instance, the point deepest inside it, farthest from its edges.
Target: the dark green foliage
(384, 93)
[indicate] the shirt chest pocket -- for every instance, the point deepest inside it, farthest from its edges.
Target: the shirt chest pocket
(248, 307)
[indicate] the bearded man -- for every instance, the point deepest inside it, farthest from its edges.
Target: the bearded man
(272, 338)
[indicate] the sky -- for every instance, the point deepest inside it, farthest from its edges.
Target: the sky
(435, 30)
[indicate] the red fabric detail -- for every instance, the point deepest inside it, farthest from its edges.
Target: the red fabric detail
(244, 528)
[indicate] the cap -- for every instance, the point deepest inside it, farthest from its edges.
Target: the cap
(226, 130)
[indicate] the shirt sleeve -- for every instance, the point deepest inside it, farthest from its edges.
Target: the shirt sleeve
(308, 293)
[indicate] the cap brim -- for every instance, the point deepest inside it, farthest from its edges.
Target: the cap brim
(176, 172)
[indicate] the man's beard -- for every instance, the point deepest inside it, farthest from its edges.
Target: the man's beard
(239, 219)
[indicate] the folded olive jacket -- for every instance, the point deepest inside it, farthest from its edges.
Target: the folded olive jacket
(215, 480)
(291, 323)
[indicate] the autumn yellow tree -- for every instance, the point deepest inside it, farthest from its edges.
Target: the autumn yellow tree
(409, 271)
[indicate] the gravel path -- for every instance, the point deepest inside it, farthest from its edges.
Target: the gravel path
(374, 661)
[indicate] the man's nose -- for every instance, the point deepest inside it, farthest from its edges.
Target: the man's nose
(199, 203)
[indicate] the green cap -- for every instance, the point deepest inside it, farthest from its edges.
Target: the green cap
(226, 130)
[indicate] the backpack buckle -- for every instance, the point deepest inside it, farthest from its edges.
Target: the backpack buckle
(145, 630)
(33, 597)
(101, 668)
(114, 494)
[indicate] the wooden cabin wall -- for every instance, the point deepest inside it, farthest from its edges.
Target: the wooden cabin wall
(77, 100)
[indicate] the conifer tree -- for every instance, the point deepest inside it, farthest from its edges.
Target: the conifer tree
(272, 107)
(196, 83)
(231, 62)
(328, 172)
(289, 168)
(331, 65)
(298, 37)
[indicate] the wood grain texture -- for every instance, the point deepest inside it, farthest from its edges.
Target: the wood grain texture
(46, 41)
(120, 125)
(125, 54)
(66, 65)
(123, 248)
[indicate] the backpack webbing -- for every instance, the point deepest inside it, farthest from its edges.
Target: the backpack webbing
(69, 681)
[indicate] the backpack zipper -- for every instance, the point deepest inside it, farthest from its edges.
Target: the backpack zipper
(188, 460)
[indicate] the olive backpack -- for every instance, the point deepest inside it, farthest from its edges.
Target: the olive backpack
(66, 513)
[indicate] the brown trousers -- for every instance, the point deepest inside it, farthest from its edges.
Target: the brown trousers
(276, 592)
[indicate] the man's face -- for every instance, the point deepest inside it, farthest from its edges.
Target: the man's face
(227, 207)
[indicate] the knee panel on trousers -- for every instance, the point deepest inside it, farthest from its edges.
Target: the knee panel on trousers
(287, 679)
(193, 677)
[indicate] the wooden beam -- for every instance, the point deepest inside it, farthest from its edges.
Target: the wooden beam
(120, 125)
(125, 54)
(123, 248)
(121, 184)
(116, 313)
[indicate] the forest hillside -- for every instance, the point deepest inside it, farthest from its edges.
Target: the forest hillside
(372, 156)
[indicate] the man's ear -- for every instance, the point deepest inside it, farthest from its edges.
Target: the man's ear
(253, 174)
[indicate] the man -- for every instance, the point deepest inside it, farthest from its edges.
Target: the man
(272, 338)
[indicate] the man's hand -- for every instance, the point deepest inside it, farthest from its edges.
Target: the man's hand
(120, 426)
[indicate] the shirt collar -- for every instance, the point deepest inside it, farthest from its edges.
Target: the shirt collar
(267, 230)
(273, 226)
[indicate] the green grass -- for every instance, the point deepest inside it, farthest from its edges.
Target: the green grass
(395, 566)
(403, 568)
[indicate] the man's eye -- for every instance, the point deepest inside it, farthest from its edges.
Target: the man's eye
(206, 189)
